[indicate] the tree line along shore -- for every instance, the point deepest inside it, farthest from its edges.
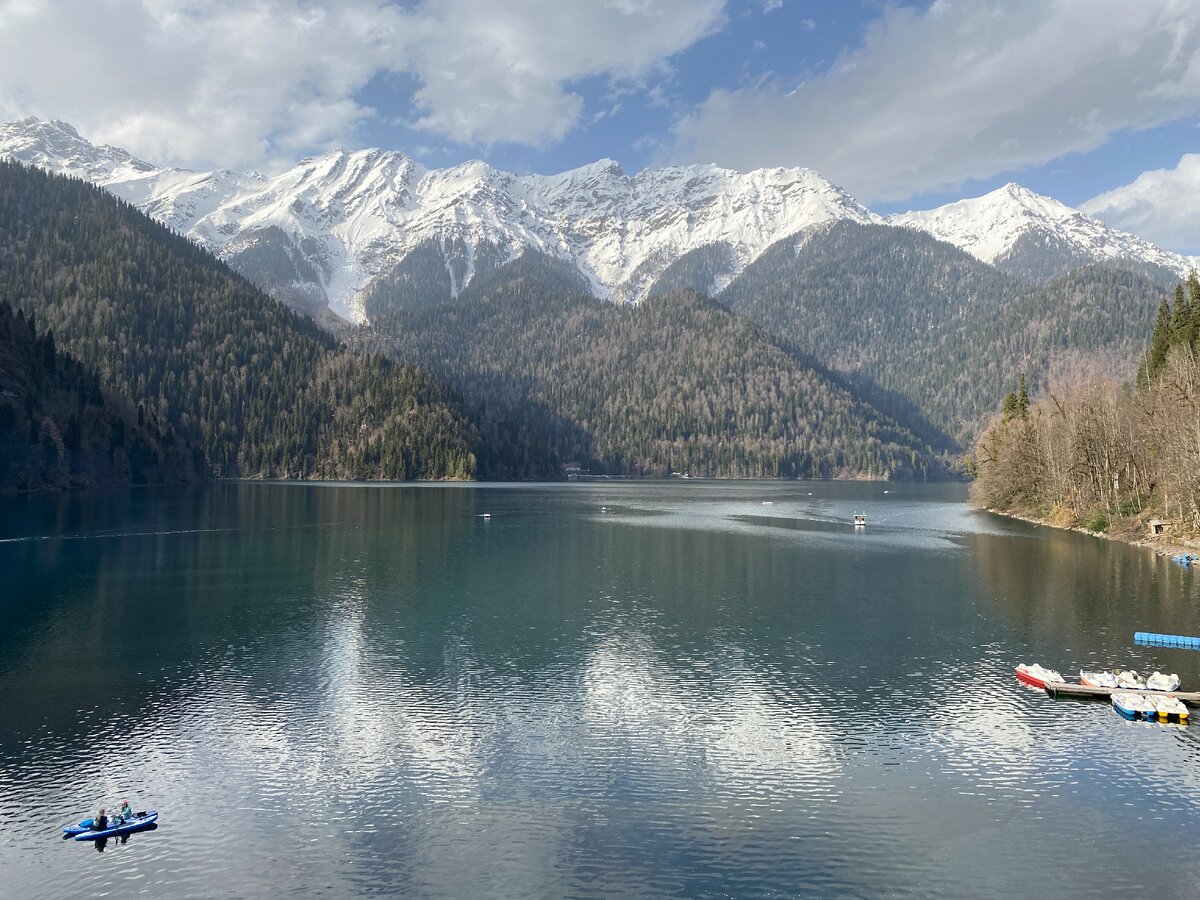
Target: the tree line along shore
(1110, 457)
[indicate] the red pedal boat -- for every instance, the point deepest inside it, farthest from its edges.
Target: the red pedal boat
(1036, 676)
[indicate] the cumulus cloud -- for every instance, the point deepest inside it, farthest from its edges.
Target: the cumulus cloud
(964, 89)
(199, 82)
(501, 71)
(192, 82)
(1162, 205)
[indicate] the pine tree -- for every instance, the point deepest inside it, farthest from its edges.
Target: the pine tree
(1181, 315)
(1160, 343)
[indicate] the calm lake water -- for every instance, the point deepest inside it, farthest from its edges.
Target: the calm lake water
(373, 689)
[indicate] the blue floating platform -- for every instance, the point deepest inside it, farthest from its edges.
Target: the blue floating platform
(1150, 639)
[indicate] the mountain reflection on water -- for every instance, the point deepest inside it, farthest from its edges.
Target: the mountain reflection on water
(356, 689)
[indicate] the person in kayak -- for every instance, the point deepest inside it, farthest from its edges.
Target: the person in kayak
(100, 823)
(124, 814)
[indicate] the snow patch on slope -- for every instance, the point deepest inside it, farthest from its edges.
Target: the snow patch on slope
(333, 225)
(990, 226)
(354, 216)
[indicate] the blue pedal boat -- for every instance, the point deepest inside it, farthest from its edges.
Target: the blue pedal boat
(85, 832)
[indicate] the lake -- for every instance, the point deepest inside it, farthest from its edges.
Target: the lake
(619, 688)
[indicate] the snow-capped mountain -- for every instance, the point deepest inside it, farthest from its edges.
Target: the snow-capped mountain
(332, 225)
(336, 227)
(1026, 233)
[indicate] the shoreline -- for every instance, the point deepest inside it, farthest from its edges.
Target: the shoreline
(1124, 533)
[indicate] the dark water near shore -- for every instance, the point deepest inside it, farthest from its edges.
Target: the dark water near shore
(353, 690)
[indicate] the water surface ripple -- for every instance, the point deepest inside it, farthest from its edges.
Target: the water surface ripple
(663, 689)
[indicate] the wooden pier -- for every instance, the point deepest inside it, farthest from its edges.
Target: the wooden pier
(1087, 692)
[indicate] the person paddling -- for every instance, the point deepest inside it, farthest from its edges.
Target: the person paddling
(124, 814)
(100, 823)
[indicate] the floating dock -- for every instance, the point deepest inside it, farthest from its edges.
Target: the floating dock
(1087, 692)
(1181, 641)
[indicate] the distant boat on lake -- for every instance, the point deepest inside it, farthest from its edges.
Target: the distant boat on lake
(860, 520)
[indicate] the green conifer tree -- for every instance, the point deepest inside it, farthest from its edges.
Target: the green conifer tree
(1160, 343)
(1180, 316)
(1192, 335)
(1012, 406)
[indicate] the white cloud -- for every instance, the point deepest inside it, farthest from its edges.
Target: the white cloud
(962, 90)
(1162, 206)
(501, 71)
(219, 81)
(203, 82)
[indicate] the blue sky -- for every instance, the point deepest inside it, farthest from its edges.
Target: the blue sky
(752, 43)
(905, 104)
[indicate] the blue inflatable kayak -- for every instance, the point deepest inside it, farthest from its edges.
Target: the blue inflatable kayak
(84, 831)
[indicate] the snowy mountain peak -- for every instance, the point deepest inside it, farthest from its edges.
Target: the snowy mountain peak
(336, 226)
(601, 168)
(337, 223)
(56, 145)
(1014, 198)
(1013, 221)
(34, 125)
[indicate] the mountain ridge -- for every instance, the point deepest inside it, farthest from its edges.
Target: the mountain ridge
(353, 216)
(262, 391)
(1007, 226)
(339, 228)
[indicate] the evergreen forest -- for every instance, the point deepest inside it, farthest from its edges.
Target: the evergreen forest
(846, 351)
(260, 390)
(930, 334)
(58, 429)
(677, 384)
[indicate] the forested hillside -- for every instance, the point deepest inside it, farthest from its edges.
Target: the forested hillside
(674, 384)
(261, 390)
(1101, 453)
(57, 429)
(927, 331)
(921, 336)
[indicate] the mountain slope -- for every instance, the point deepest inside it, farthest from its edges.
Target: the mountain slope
(1036, 238)
(672, 384)
(57, 429)
(922, 327)
(326, 230)
(346, 229)
(261, 390)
